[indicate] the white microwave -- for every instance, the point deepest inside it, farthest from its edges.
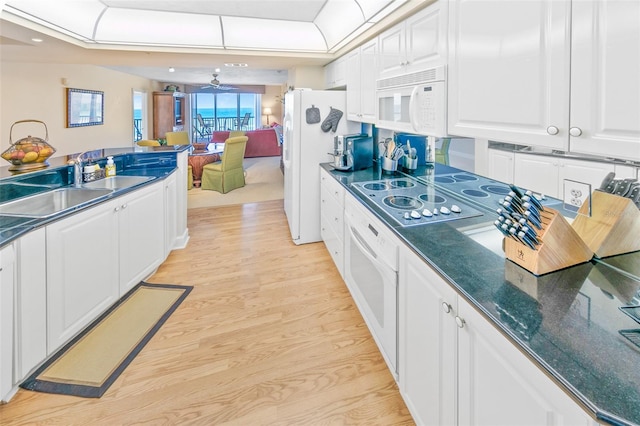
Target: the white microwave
(413, 103)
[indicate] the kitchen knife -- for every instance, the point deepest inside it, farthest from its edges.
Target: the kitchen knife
(517, 190)
(533, 199)
(607, 181)
(625, 185)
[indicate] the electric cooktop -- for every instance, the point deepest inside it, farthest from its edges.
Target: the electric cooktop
(408, 201)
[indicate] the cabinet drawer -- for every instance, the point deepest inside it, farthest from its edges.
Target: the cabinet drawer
(334, 244)
(332, 212)
(332, 186)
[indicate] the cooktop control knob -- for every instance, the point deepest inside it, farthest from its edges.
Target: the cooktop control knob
(426, 213)
(415, 214)
(435, 211)
(455, 208)
(444, 210)
(407, 216)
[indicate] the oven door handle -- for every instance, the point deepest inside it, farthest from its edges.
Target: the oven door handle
(364, 247)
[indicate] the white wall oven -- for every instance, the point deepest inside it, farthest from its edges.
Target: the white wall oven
(414, 103)
(371, 274)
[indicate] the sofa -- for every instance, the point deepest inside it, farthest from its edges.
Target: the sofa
(261, 143)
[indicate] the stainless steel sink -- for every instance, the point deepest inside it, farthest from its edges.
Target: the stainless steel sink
(116, 182)
(49, 203)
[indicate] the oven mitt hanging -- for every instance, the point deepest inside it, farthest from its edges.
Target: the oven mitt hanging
(313, 115)
(332, 120)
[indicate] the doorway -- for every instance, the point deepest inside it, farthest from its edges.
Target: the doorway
(139, 116)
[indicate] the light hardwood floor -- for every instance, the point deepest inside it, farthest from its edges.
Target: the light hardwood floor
(268, 336)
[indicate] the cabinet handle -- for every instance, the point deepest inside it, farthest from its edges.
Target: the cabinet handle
(446, 307)
(552, 130)
(575, 131)
(460, 322)
(124, 206)
(116, 209)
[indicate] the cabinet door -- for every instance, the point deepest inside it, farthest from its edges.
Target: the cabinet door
(141, 231)
(31, 302)
(82, 271)
(353, 85)
(6, 321)
(537, 173)
(499, 385)
(368, 73)
(170, 223)
(605, 82)
(427, 342)
(501, 165)
(335, 74)
(509, 71)
(426, 38)
(391, 52)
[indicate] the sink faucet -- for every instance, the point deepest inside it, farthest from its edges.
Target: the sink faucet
(77, 170)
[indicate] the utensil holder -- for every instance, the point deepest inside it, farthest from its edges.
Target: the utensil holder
(389, 165)
(560, 246)
(612, 228)
(410, 164)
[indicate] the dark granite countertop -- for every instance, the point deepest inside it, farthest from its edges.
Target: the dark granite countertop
(568, 321)
(154, 162)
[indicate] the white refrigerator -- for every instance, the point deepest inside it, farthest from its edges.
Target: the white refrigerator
(304, 147)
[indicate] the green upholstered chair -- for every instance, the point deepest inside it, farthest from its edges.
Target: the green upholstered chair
(236, 133)
(442, 153)
(177, 138)
(228, 173)
(189, 177)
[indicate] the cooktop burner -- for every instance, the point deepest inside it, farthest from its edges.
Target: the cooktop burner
(411, 202)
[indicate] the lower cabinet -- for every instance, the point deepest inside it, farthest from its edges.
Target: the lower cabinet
(170, 217)
(97, 255)
(31, 303)
(456, 368)
(7, 285)
(332, 218)
(500, 165)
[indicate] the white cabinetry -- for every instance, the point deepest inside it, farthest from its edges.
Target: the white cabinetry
(605, 82)
(97, 255)
(518, 69)
(427, 336)
(332, 218)
(498, 384)
(170, 222)
(415, 44)
(141, 231)
(180, 207)
(456, 368)
(82, 271)
(31, 302)
(546, 175)
(361, 83)
(335, 74)
(7, 286)
(500, 165)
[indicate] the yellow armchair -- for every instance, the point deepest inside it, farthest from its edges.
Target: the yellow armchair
(148, 142)
(228, 173)
(177, 138)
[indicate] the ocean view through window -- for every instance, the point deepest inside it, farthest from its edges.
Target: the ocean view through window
(223, 111)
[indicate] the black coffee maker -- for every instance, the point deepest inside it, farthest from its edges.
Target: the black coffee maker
(361, 147)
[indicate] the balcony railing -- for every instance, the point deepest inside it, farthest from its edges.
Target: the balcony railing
(213, 124)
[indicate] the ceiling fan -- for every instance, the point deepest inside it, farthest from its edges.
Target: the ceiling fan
(215, 84)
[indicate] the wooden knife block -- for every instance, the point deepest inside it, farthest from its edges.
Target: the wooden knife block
(560, 246)
(614, 225)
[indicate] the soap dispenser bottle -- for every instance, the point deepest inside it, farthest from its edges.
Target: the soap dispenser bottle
(110, 169)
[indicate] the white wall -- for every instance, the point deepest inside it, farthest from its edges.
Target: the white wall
(36, 91)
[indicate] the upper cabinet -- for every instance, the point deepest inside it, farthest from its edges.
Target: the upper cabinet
(361, 83)
(605, 79)
(335, 74)
(415, 44)
(560, 75)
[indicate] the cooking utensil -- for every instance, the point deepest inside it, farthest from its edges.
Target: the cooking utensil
(28, 153)
(390, 148)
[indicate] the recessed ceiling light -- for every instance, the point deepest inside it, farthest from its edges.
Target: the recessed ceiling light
(37, 40)
(236, 65)
(172, 69)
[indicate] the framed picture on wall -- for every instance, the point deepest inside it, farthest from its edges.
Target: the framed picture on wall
(84, 107)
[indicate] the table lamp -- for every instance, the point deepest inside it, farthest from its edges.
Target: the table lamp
(267, 112)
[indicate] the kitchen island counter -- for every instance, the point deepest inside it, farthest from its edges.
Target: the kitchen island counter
(568, 322)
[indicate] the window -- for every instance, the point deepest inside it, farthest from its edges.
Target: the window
(224, 111)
